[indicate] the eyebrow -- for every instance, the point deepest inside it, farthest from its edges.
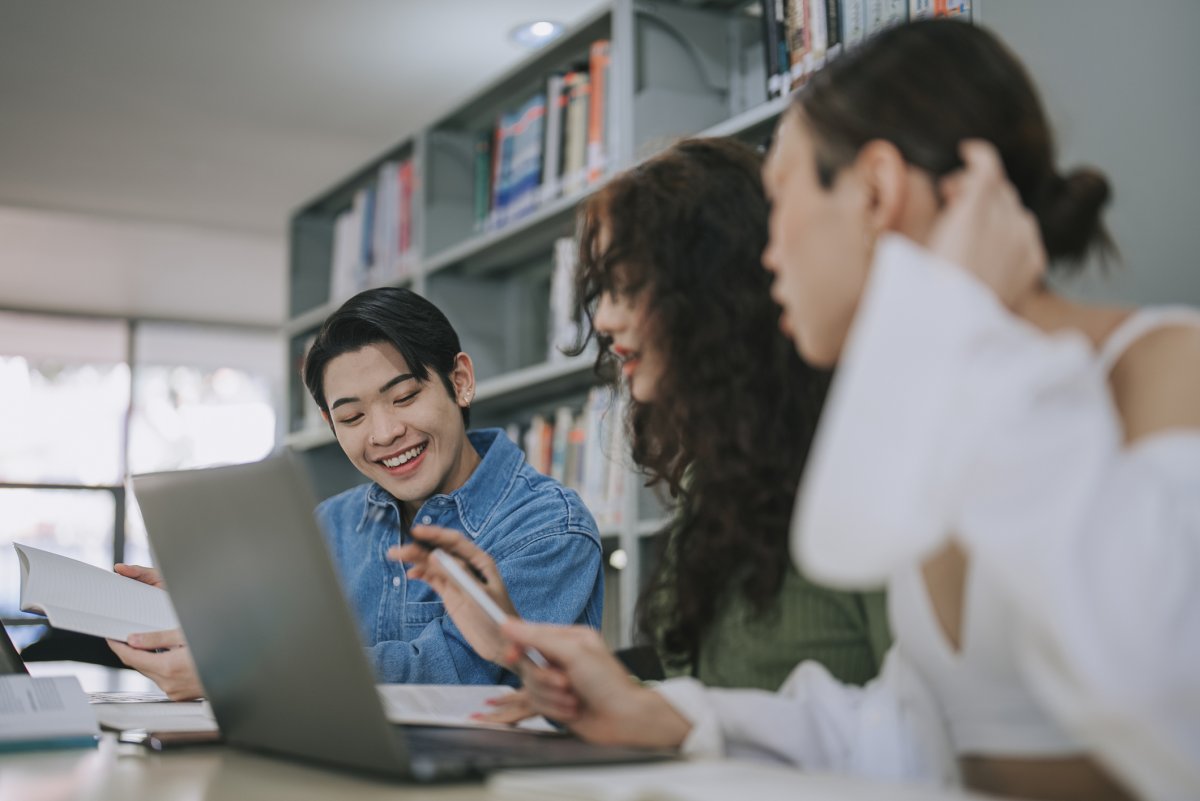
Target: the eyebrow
(397, 380)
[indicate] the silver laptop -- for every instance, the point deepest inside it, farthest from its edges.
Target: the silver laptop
(275, 643)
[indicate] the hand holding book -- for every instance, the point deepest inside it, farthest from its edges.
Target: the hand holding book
(161, 656)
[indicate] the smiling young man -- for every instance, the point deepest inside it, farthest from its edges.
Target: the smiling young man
(388, 373)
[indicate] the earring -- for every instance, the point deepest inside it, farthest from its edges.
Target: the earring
(466, 398)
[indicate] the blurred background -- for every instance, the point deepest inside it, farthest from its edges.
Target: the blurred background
(151, 152)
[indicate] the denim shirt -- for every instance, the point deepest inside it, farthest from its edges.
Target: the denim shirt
(541, 536)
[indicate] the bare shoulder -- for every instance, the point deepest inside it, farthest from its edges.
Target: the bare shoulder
(1156, 382)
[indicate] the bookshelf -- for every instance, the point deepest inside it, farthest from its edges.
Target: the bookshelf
(674, 68)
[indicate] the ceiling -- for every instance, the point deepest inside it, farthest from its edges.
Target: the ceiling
(230, 113)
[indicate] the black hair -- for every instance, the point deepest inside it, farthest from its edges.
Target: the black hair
(928, 85)
(396, 316)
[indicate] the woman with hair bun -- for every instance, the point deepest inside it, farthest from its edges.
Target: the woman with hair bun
(1021, 469)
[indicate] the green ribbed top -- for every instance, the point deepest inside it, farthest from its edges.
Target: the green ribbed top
(847, 632)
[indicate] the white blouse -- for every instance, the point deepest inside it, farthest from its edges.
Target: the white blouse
(951, 418)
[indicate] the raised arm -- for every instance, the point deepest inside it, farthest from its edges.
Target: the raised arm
(959, 420)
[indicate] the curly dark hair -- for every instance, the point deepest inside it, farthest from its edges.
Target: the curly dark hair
(735, 409)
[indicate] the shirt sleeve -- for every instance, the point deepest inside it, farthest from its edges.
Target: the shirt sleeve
(440, 654)
(886, 729)
(952, 418)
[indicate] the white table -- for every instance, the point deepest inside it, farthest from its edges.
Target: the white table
(120, 772)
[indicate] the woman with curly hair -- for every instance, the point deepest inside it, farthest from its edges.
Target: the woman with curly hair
(721, 414)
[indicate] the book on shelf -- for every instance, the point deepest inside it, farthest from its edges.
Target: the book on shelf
(583, 449)
(373, 239)
(578, 87)
(799, 39)
(833, 28)
(76, 596)
(885, 13)
(484, 169)
(564, 422)
(925, 9)
(517, 169)
(553, 144)
(556, 104)
(599, 58)
(854, 21)
(528, 140)
(774, 23)
(800, 36)
(564, 328)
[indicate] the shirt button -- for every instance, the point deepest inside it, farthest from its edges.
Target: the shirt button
(396, 581)
(426, 519)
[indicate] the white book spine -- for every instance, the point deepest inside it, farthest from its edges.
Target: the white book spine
(552, 155)
(854, 13)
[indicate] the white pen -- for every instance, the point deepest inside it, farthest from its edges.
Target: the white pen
(477, 593)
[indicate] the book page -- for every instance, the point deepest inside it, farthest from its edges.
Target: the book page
(448, 705)
(88, 599)
(41, 709)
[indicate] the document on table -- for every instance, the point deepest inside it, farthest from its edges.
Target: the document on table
(49, 712)
(169, 716)
(448, 705)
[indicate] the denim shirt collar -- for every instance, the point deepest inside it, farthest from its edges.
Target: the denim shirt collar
(477, 499)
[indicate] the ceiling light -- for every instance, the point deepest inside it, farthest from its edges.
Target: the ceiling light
(536, 34)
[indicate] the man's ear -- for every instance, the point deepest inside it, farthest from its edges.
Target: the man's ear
(884, 174)
(463, 379)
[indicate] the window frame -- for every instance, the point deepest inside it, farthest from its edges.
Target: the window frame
(118, 491)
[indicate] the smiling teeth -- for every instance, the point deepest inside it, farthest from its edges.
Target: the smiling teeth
(405, 457)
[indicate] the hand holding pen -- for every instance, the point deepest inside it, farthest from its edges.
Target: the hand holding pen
(469, 584)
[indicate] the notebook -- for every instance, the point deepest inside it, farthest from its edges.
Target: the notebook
(275, 642)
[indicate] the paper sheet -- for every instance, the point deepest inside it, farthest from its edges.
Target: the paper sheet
(447, 705)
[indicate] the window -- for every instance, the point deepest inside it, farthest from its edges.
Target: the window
(88, 402)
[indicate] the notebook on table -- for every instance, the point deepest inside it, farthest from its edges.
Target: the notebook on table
(276, 645)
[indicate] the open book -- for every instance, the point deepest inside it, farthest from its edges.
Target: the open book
(80, 597)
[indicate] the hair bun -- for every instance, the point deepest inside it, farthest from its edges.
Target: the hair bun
(1070, 217)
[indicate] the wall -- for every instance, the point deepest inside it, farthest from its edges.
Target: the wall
(1119, 79)
(80, 263)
